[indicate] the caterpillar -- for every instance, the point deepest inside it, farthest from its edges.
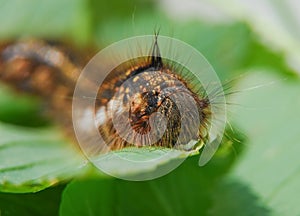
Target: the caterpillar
(141, 94)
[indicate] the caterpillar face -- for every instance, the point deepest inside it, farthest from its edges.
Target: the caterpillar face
(144, 106)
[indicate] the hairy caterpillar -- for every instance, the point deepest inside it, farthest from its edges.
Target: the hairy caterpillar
(45, 70)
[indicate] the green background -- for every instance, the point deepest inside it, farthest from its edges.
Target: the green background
(255, 171)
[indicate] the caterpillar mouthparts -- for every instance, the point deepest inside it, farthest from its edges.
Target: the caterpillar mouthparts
(146, 99)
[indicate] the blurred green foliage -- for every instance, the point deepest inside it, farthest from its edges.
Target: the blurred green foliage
(253, 176)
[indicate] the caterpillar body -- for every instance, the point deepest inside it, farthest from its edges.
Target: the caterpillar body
(50, 71)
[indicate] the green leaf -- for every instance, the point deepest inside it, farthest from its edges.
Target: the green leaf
(276, 22)
(185, 191)
(140, 163)
(45, 19)
(148, 163)
(271, 166)
(105, 10)
(92, 197)
(156, 197)
(234, 198)
(225, 46)
(229, 48)
(44, 203)
(20, 109)
(34, 159)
